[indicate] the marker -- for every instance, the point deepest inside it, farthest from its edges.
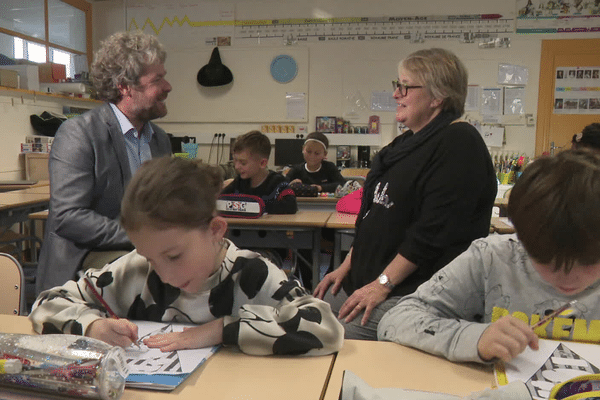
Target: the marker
(554, 313)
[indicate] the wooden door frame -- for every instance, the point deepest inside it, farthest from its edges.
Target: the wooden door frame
(547, 80)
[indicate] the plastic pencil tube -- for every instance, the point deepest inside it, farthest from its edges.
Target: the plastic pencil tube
(10, 366)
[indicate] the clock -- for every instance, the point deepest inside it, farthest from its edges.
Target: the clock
(284, 68)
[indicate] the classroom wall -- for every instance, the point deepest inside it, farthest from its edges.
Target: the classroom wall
(15, 111)
(340, 70)
(335, 70)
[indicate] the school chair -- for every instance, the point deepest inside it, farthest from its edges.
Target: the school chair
(12, 284)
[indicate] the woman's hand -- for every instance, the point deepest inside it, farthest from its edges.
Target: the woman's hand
(505, 339)
(296, 181)
(334, 278)
(366, 298)
(116, 332)
(205, 335)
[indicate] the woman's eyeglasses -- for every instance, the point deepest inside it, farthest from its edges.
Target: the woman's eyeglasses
(403, 87)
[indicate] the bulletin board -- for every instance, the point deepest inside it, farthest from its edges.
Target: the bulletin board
(253, 96)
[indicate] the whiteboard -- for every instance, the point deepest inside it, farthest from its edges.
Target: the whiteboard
(253, 96)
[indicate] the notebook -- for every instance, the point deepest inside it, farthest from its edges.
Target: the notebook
(157, 370)
(555, 362)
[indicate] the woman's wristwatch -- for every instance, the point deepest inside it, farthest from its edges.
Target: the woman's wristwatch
(385, 281)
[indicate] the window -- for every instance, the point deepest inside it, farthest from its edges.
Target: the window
(42, 31)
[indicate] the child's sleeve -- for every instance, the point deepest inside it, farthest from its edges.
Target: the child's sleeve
(298, 323)
(71, 308)
(334, 178)
(444, 316)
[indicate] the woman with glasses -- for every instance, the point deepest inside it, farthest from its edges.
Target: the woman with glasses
(430, 192)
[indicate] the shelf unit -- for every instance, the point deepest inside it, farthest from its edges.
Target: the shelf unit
(8, 91)
(335, 139)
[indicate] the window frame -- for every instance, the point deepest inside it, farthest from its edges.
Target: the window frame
(81, 5)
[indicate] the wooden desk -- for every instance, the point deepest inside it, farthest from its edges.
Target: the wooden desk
(343, 224)
(16, 206)
(317, 203)
(500, 226)
(387, 364)
(18, 198)
(6, 186)
(502, 204)
(230, 374)
(339, 220)
(41, 189)
(39, 216)
(289, 231)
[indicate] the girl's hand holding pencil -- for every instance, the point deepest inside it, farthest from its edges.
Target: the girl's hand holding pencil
(114, 331)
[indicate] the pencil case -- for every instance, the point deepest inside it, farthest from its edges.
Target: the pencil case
(578, 388)
(237, 205)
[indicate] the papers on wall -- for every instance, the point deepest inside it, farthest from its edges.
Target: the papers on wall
(295, 105)
(154, 369)
(492, 135)
(472, 102)
(577, 90)
(491, 101)
(514, 100)
(553, 363)
(509, 74)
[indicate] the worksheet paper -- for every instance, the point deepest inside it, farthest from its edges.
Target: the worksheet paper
(553, 363)
(154, 369)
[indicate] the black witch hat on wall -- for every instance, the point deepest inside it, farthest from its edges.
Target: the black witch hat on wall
(215, 73)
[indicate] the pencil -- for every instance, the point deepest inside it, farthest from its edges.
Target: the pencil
(103, 302)
(554, 314)
(99, 298)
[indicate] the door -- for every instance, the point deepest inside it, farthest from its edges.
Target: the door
(560, 128)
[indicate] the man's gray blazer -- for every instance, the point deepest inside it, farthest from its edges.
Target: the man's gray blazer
(89, 171)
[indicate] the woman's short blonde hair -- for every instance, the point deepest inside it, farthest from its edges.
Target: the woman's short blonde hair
(121, 60)
(443, 75)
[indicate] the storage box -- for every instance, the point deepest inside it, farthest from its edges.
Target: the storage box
(52, 72)
(9, 78)
(28, 75)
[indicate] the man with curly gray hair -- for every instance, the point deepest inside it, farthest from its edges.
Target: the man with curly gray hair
(95, 154)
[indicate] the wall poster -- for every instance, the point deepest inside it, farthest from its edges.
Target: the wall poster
(577, 90)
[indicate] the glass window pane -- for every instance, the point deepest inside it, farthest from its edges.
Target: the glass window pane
(62, 57)
(18, 48)
(66, 25)
(35, 52)
(7, 45)
(24, 16)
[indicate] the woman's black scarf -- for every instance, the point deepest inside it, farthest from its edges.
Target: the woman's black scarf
(399, 148)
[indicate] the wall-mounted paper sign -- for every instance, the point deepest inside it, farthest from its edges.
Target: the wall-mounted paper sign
(493, 136)
(509, 74)
(491, 101)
